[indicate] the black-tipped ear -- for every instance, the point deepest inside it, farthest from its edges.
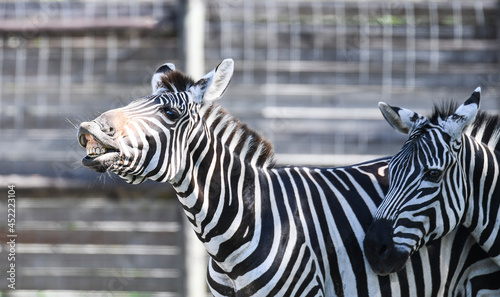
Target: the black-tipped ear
(475, 98)
(465, 114)
(156, 81)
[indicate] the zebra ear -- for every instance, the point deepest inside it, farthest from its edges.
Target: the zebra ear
(401, 119)
(156, 82)
(465, 114)
(214, 84)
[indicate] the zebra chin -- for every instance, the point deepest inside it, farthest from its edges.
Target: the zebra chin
(380, 251)
(102, 163)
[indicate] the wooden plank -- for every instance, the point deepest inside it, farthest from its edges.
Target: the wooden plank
(119, 282)
(101, 237)
(133, 272)
(140, 212)
(321, 160)
(375, 67)
(92, 293)
(98, 261)
(79, 25)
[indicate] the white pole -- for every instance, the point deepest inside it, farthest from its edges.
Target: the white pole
(193, 56)
(193, 37)
(196, 264)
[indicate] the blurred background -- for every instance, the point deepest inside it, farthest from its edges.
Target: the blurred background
(308, 76)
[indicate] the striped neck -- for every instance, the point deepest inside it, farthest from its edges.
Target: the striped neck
(481, 158)
(482, 215)
(221, 179)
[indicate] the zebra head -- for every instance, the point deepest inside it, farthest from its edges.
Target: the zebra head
(425, 183)
(147, 138)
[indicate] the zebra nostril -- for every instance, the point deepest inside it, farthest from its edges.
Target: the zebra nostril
(109, 130)
(383, 251)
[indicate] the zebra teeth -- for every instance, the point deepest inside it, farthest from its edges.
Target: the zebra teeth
(95, 152)
(93, 147)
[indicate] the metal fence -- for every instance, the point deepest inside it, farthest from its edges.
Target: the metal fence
(314, 71)
(308, 76)
(308, 73)
(64, 62)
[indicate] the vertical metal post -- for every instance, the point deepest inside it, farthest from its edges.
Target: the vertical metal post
(434, 43)
(364, 43)
(411, 55)
(193, 59)
(388, 54)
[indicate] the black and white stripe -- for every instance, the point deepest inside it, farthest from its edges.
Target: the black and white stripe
(446, 175)
(275, 231)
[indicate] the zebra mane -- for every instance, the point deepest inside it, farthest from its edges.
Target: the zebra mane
(486, 127)
(175, 81)
(441, 111)
(237, 136)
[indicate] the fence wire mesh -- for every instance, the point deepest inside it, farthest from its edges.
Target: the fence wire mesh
(308, 73)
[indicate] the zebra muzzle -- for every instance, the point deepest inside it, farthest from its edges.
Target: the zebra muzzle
(102, 149)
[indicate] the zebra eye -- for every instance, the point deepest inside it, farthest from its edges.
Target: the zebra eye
(433, 175)
(170, 113)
